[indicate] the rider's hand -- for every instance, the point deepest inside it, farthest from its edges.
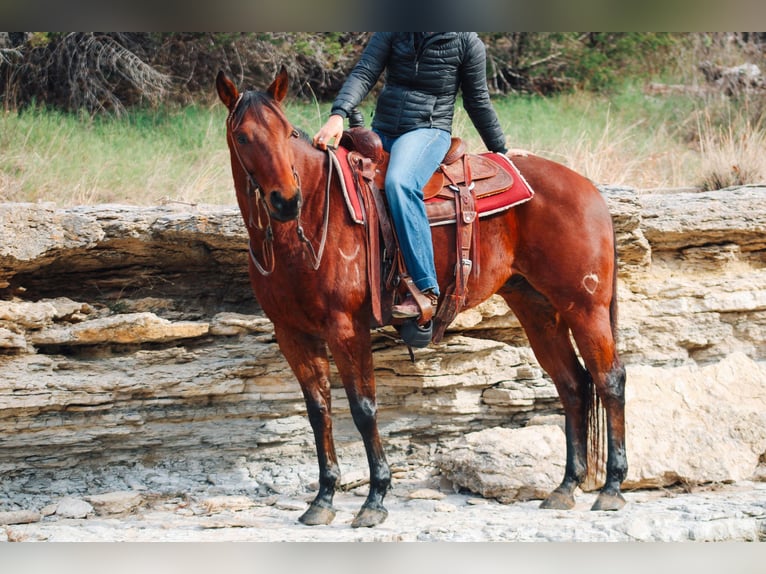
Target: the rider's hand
(330, 132)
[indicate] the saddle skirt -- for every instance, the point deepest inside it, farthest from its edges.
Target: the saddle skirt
(498, 186)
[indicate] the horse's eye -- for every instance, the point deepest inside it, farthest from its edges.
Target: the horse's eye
(241, 139)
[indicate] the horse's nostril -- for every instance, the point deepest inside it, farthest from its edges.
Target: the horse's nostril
(285, 209)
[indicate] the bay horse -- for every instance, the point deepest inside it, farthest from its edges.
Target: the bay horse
(553, 259)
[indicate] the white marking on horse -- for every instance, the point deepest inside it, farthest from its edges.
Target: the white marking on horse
(590, 283)
(350, 257)
(357, 275)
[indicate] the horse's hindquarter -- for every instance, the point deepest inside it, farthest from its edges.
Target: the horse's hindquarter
(564, 234)
(561, 240)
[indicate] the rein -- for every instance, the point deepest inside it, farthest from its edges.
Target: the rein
(317, 257)
(257, 204)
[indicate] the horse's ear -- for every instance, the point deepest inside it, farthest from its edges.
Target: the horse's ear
(227, 91)
(278, 88)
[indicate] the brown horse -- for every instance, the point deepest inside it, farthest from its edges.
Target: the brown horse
(552, 259)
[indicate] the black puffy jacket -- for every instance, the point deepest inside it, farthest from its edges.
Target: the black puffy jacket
(422, 82)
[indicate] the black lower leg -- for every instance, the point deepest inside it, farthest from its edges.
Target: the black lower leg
(321, 510)
(364, 413)
(610, 497)
(372, 512)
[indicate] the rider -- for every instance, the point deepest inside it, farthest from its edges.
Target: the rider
(413, 117)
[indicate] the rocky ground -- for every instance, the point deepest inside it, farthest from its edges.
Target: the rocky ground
(184, 503)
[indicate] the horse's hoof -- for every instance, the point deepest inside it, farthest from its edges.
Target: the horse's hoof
(317, 514)
(609, 501)
(558, 500)
(369, 516)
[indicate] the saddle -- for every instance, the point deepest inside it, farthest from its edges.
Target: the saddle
(451, 196)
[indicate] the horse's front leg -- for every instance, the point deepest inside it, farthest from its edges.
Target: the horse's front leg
(307, 356)
(351, 350)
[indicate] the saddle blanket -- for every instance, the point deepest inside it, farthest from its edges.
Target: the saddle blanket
(441, 210)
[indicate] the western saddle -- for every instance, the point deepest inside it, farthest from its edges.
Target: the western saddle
(450, 194)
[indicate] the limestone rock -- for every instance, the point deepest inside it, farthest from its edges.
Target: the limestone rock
(425, 494)
(73, 508)
(11, 340)
(238, 323)
(216, 504)
(695, 424)
(130, 328)
(132, 334)
(507, 464)
(735, 215)
(19, 517)
(115, 502)
(690, 424)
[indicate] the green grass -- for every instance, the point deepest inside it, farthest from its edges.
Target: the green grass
(180, 155)
(143, 158)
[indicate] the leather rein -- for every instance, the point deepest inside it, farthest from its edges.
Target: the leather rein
(262, 220)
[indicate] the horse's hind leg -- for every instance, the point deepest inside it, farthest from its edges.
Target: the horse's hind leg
(307, 356)
(595, 340)
(549, 339)
(353, 356)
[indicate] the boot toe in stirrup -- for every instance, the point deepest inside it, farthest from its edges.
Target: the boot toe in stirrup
(407, 309)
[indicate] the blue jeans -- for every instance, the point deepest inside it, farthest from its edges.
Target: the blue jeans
(415, 156)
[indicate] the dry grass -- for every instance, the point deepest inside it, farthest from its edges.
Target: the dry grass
(733, 153)
(630, 139)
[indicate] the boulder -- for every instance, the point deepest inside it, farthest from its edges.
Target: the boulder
(689, 425)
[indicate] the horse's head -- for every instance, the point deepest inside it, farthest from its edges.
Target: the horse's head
(258, 135)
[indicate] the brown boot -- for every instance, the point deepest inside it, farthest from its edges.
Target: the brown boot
(408, 308)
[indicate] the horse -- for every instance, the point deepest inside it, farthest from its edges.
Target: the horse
(552, 259)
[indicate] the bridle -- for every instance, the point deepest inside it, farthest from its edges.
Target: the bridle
(262, 220)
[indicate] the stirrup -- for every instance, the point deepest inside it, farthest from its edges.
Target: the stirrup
(407, 309)
(412, 307)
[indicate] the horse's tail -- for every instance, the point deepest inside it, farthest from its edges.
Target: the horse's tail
(596, 413)
(613, 301)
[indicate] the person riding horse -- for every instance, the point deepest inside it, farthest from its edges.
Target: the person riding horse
(552, 259)
(413, 117)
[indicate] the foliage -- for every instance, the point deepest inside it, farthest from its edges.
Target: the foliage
(546, 63)
(83, 70)
(114, 71)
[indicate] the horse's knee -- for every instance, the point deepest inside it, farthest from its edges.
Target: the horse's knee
(364, 412)
(611, 387)
(615, 382)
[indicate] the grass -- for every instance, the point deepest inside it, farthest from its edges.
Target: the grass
(144, 158)
(180, 155)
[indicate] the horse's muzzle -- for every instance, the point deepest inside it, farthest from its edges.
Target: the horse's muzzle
(285, 209)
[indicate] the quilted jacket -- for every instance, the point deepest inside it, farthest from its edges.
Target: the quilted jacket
(422, 78)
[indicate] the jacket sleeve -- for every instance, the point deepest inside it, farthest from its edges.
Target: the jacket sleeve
(473, 82)
(364, 74)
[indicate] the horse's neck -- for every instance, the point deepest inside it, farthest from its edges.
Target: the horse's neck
(311, 165)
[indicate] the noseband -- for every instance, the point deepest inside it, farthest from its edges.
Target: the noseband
(262, 221)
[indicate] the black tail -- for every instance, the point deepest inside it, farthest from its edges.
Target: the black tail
(613, 302)
(596, 413)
